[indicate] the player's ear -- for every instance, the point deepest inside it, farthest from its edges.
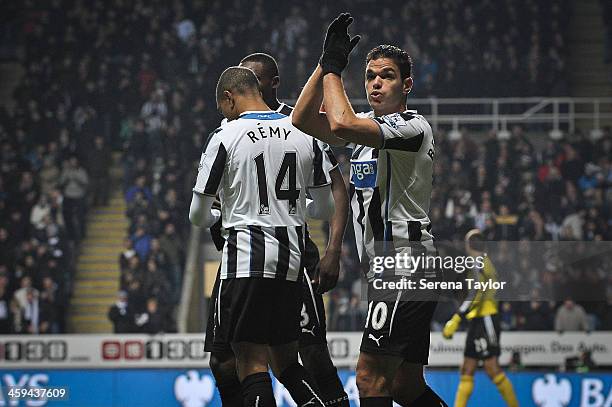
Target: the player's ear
(407, 85)
(275, 82)
(229, 97)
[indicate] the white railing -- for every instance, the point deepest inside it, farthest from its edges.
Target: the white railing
(555, 114)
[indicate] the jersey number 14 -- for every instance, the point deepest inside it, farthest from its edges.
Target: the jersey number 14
(291, 194)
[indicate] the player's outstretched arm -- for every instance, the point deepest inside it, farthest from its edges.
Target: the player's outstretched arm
(329, 266)
(343, 121)
(306, 115)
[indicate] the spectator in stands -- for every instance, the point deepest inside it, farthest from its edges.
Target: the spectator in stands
(142, 242)
(121, 315)
(49, 306)
(571, 317)
(538, 317)
(154, 113)
(127, 254)
(28, 318)
(98, 167)
(74, 181)
(151, 321)
(39, 212)
(49, 175)
(170, 243)
(139, 187)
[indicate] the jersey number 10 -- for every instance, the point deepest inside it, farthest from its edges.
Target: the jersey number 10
(290, 194)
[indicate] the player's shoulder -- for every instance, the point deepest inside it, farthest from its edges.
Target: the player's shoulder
(404, 118)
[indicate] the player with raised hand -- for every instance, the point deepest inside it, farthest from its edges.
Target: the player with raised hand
(391, 181)
(261, 167)
(482, 342)
(312, 341)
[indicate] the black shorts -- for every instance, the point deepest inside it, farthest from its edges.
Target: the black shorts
(399, 328)
(312, 322)
(482, 340)
(209, 343)
(312, 313)
(257, 310)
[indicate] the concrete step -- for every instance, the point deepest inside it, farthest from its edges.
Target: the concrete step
(98, 274)
(88, 318)
(103, 240)
(101, 259)
(98, 266)
(108, 225)
(96, 257)
(95, 291)
(92, 309)
(102, 249)
(95, 284)
(92, 327)
(92, 301)
(105, 214)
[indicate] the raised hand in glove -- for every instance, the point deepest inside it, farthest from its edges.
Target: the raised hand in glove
(337, 26)
(451, 326)
(338, 45)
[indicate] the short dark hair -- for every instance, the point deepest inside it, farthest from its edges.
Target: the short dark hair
(477, 242)
(237, 79)
(398, 55)
(270, 67)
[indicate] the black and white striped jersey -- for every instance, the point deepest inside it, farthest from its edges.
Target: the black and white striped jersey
(390, 187)
(261, 166)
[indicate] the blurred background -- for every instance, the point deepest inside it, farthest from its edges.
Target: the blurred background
(105, 106)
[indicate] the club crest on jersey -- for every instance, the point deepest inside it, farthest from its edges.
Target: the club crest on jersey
(394, 120)
(363, 173)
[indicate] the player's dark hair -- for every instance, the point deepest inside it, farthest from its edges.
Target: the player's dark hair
(398, 55)
(237, 79)
(270, 67)
(477, 242)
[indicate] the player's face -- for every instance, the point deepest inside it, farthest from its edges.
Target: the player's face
(385, 89)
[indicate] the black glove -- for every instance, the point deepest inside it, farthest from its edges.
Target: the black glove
(338, 45)
(335, 57)
(339, 25)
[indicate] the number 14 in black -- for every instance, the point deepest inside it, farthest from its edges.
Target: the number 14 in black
(291, 194)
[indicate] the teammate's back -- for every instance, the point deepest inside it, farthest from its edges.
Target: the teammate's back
(261, 167)
(269, 165)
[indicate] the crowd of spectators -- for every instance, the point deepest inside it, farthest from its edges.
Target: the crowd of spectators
(43, 205)
(140, 76)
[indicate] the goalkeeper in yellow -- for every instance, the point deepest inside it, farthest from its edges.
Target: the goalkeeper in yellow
(482, 342)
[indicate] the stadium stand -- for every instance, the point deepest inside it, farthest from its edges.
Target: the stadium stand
(137, 77)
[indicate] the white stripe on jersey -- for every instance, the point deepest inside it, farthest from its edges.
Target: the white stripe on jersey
(295, 255)
(243, 262)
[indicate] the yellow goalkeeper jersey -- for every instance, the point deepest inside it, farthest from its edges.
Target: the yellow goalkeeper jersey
(484, 302)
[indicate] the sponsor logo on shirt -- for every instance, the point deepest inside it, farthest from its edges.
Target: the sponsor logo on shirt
(394, 120)
(363, 173)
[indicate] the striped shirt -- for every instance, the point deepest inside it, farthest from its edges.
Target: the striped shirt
(390, 187)
(261, 166)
